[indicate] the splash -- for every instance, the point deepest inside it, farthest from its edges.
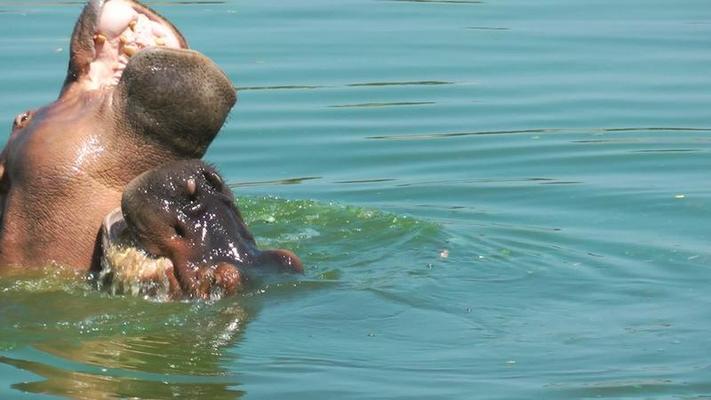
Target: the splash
(131, 271)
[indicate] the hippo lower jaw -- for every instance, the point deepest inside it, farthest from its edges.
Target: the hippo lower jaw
(127, 267)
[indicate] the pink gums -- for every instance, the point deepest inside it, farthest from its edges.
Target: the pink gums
(121, 33)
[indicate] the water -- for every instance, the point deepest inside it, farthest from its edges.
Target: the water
(499, 199)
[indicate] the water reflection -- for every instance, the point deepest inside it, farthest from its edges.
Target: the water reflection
(88, 345)
(83, 385)
(186, 343)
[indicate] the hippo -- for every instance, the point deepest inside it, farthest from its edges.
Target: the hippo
(135, 97)
(184, 220)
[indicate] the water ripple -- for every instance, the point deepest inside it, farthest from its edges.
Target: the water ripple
(430, 136)
(413, 83)
(438, 1)
(388, 104)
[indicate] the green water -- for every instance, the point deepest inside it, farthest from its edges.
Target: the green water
(503, 199)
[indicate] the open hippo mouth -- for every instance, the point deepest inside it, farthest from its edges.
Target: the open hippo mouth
(109, 33)
(148, 80)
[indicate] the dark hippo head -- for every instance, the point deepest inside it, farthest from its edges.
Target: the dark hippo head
(184, 212)
(135, 97)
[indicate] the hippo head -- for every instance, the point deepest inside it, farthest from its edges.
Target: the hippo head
(134, 97)
(154, 86)
(184, 213)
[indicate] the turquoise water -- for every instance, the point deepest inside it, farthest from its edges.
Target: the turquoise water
(498, 199)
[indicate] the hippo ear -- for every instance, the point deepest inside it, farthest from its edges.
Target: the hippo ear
(284, 260)
(175, 98)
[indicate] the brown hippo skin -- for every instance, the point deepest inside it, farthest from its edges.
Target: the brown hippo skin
(134, 97)
(183, 212)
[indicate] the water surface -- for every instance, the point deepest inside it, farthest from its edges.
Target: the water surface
(494, 199)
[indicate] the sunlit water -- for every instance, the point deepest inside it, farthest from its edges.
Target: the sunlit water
(498, 199)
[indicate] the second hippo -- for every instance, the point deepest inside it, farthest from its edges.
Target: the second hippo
(180, 233)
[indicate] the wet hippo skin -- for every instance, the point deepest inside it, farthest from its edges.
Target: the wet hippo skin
(183, 213)
(134, 98)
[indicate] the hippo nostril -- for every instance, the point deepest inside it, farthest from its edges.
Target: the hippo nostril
(180, 230)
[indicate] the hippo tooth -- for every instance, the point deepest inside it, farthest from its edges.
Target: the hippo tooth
(130, 50)
(123, 39)
(99, 39)
(132, 25)
(115, 17)
(160, 41)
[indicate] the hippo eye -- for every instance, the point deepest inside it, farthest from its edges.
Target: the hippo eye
(214, 180)
(22, 120)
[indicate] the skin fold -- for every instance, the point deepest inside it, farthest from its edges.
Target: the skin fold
(135, 97)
